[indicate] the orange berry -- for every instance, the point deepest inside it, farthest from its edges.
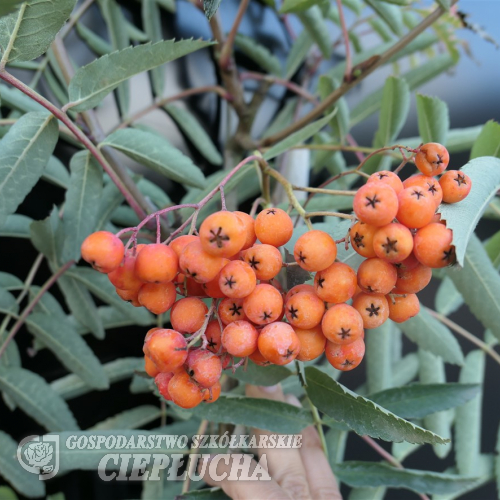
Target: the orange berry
(335, 284)
(188, 315)
(410, 262)
(342, 324)
(273, 226)
(265, 260)
(162, 380)
(416, 207)
(361, 237)
(180, 242)
(231, 310)
(157, 298)
(387, 177)
(156, 263)
(312, 343)
(455, 185)
(403, 307)
(315, 251)
(249, 229)
(103, 251)
(393, 242)
(123, 277)
(432, 246)
(432, 158)
(150, 367)
(303, 287)
(377, 276)
(258, 359)
(413, 280)
(237, 279)
(212, 288)
(211, 395)
(345, 357)
(184, 391)
(199, 265)
(195, 289)
(131, 296)
(213, 334)
(264, 305)
(304, 310)
(222, 234)
(150, 332)
(167, 349)
(376, 204)
(279, 343)
(373, 309)
(240, 338)
(428, 184)
(204, 367)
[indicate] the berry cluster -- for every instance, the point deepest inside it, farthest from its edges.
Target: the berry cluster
(398, 232)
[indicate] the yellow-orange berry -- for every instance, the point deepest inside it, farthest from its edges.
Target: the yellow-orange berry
(335, 284)
(455, 185)
(264, 305)
(248, 228)
(199, 265)
(273, 226)
(342, 324)
(432, 246)
(258, 359)
(387, 177)
(213, 334)
(428, 184)
(231, 310)
(432, 158)
(412, 280)
(373, 309)
(156, 263)
(416, 207)
(157, 298)
(150, 367)
(393, 243)
(188, 315)
(315, 251)
(161, 381)
(240, 338)
(279, 343)
(124, 277)
(237, 279)
(103, 251)
(222, 234)
(377, 276)
(265, 260)
(376, 204)
(167, 349)
(345, 357)
(184, 391)
(303, 287)
(403, 307)
(180, 242)
(304, 310)
(131, 296)
(361, 237)
(211, 395)
(204, 367)
(312, 343)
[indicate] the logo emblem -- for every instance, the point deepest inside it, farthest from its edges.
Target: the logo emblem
(39, 455)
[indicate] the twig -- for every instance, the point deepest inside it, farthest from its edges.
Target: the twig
(227, 49)
(319, 426)
(324, 191)
(345, 33)
(75, 17)
(340, 215)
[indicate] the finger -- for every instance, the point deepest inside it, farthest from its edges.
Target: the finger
(322, 481)
(221, 471)
(285, 465)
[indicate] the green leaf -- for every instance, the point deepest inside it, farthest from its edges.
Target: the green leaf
(367, 493)
(81, 204)
(94, 41)
(420, 400)
(298, 137)
(340, 121)
(273, 416)
(151, 20)
(16, 226)
(37, 399)
(154, 192)
(194, 131)
(294, 6)
(134, 418)
(43, 236)
(468, 417)
(433, 119)
(157, 154)
(7, 302)
(10, 282)
(33, 27)
(298, 53)
(360, 414)
(405, 370)
(15, 99)
(389, 13)
(55, 173)
(492, 247)
(488, 142)
(24, 153)
(259, 54)
(379, 359)
(23, 481)
(93, 82)
(111, 199)
(261, 375)
(479, 284)
(71, 350)
(445, 4)
(8, 6)
(430, 334)
(315, 25)
(210, 7)
(448, 299)
(359, 474)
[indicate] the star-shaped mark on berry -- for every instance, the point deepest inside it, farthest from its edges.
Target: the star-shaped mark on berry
(230, 282)
(271, 211)
(212, 344)
(374, 311)
(344, 333)
(266, 315)
(358, 239)
(235, 309)
(432, 188)
(254, 262)
(460, 179)
(293, 312)
(439, 159)
(390, 245)
(218, 237)
(372, 201)
(370, 289)
(302, 258)
(449, 254)
(289, 353)
(417, 193)
(320, 282)
(347, 363)
(381, 175)
(189, 273)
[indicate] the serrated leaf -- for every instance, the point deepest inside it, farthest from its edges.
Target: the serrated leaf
(358, 474)
(259, 54)
(261, 375)
(210, 7)
(93, 82)
(55, 173)
(134, 418)
(94, 41)
(379, 360)
(36, 398)
(71, 350)
(468, 417)
(16, 226)
(157, 154)
(190, 126)
(43, 236)
(389, 13)
(313, 22)
(298, 137)
(488, 142)
(24, 482)
(81, 204)
(433, 119)
(10, 282)
(24, 153)
(448, 298)
(273, 416)
(360, 414)
(430, 334)
(151, 20)
(298, 53)
(34, 27)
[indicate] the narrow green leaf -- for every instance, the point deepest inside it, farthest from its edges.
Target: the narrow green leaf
(379, 359)
(134, 418)
(479, 284)
(16, 226)
(488, 142)
(15, 99)
(261, 375)
(492, 247)
(33, 27)
(194, 131)
(359, 474)
(71, 350)
(340, 121)
(157, 154)
(135, 33)
(23, 481)
(10, 282)
(94, 41)
(151, 20)
(448, 298)
(155, 193)
(111, 199)
(468, 417)
(367, 493)
(389, 13)
(405, 370)
(313, 22)
(81, 203)
(433, 119)
(360, 414)
(429, 334)
(8, 6)
(55, 173)
(381, 29)
(8, 302)
(93, 82)
(298, 53)
(37, 399)
(294, 6)
(210, 7)
(24, 153)
(259, 54)
(260, 413)
(283, 118)
(44, 236)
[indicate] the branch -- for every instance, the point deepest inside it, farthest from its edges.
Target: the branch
(345, 33)
(227, 49)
